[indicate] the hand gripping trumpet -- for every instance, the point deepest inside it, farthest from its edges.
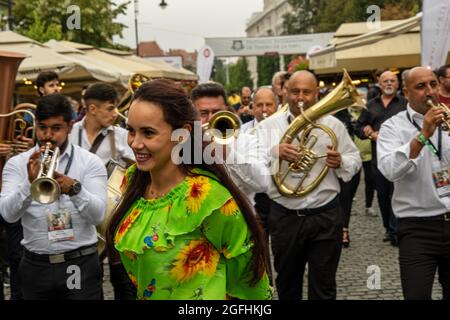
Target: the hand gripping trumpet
(445, 125)
(45, 189)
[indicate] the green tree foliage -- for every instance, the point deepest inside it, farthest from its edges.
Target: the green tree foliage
(239, 76)
(220, 72)
(97, 26)
(266, 67)
(327, 15)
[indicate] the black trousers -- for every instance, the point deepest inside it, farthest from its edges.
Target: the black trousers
(262, 208)
(348, 191)
(424, 247)
(45, 281)
(123, 287)
(385, 189)
(14, 235)
(298, 240)
(369, 183)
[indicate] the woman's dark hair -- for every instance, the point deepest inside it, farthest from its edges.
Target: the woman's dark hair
(179, 111)
(54, 105)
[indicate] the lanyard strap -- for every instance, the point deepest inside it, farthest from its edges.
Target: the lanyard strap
(433, 148)
(69, 164)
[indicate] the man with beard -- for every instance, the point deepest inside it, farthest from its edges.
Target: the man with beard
(444, 84)
(52, 256)
(379, 110)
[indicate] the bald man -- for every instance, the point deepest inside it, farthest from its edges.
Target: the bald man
(379, 109)
(264, 105)
(307, 229)
(414, 153)
(244, 108)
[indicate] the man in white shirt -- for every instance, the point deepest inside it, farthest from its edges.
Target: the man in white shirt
(247, 168)
(414, 154)
(96, 132)
(60, 237)
(307, 229)
(264, 105)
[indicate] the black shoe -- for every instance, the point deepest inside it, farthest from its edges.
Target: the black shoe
(386, 237)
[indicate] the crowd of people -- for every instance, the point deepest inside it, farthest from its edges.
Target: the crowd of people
(189, 228)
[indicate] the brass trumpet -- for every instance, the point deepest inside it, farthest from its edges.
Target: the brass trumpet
(45, 189)
(227, 126)
(445, 125)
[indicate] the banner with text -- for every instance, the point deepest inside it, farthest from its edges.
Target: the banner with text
(258, 46)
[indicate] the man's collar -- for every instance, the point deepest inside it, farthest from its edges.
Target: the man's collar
(413, 113)
(103, 131)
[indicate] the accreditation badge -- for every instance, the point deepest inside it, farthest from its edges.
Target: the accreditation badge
(60, 225)
(441, 179)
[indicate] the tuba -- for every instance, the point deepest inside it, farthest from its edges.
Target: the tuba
(342, 97)
(445, 125)
(135, 81)
(9, 64)
(225, 127)
(45, 189)
(19, 127)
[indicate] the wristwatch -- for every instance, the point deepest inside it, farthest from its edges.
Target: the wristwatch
(75, 188)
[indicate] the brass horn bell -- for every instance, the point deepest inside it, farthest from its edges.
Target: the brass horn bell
(226, 127)
(343, 96)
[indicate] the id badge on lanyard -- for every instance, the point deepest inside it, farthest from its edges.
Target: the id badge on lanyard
(59, 221)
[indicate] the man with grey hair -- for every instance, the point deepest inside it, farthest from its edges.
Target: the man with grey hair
(277, 85)
(379, 109)
(264, 104)
(413, 154)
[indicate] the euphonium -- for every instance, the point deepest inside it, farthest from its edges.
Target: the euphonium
(445, 125)
(18, 127)
(342, 97)
(227, 126)
(45, 189)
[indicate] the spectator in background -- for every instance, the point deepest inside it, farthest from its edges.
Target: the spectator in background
(244, 108)
(444, 84)
(375, 90)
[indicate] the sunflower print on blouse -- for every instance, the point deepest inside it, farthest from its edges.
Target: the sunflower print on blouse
(197, 191)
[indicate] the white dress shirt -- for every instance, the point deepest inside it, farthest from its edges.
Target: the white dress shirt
(270, 132)
(104, 150)
(415, 194)
(245, 161)
(248, 126)
(87, 208)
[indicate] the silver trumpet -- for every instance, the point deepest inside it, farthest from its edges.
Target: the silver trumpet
(45, 189)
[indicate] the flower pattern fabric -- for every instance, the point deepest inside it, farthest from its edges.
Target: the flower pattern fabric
(192, 243)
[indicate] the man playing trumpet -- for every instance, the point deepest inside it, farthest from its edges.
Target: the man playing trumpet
(413, 152)
(59, 261)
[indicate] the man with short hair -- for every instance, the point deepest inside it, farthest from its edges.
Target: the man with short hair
(264, 105)
(246, 166)
(244, 108)
(413, 153)
(379, 109)
(443, 75)
(96, 131)
(307, 229)
(277, 85)
(60, 258)
(47, 82)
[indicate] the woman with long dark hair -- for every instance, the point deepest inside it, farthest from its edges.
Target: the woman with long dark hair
(183, 231)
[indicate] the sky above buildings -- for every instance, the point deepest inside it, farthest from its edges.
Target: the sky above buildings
(184, 24)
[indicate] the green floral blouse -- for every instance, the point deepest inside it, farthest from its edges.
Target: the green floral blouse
(192, 243)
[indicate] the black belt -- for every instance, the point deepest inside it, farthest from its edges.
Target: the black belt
(62, 257)
(307, 212)
(440, 217)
